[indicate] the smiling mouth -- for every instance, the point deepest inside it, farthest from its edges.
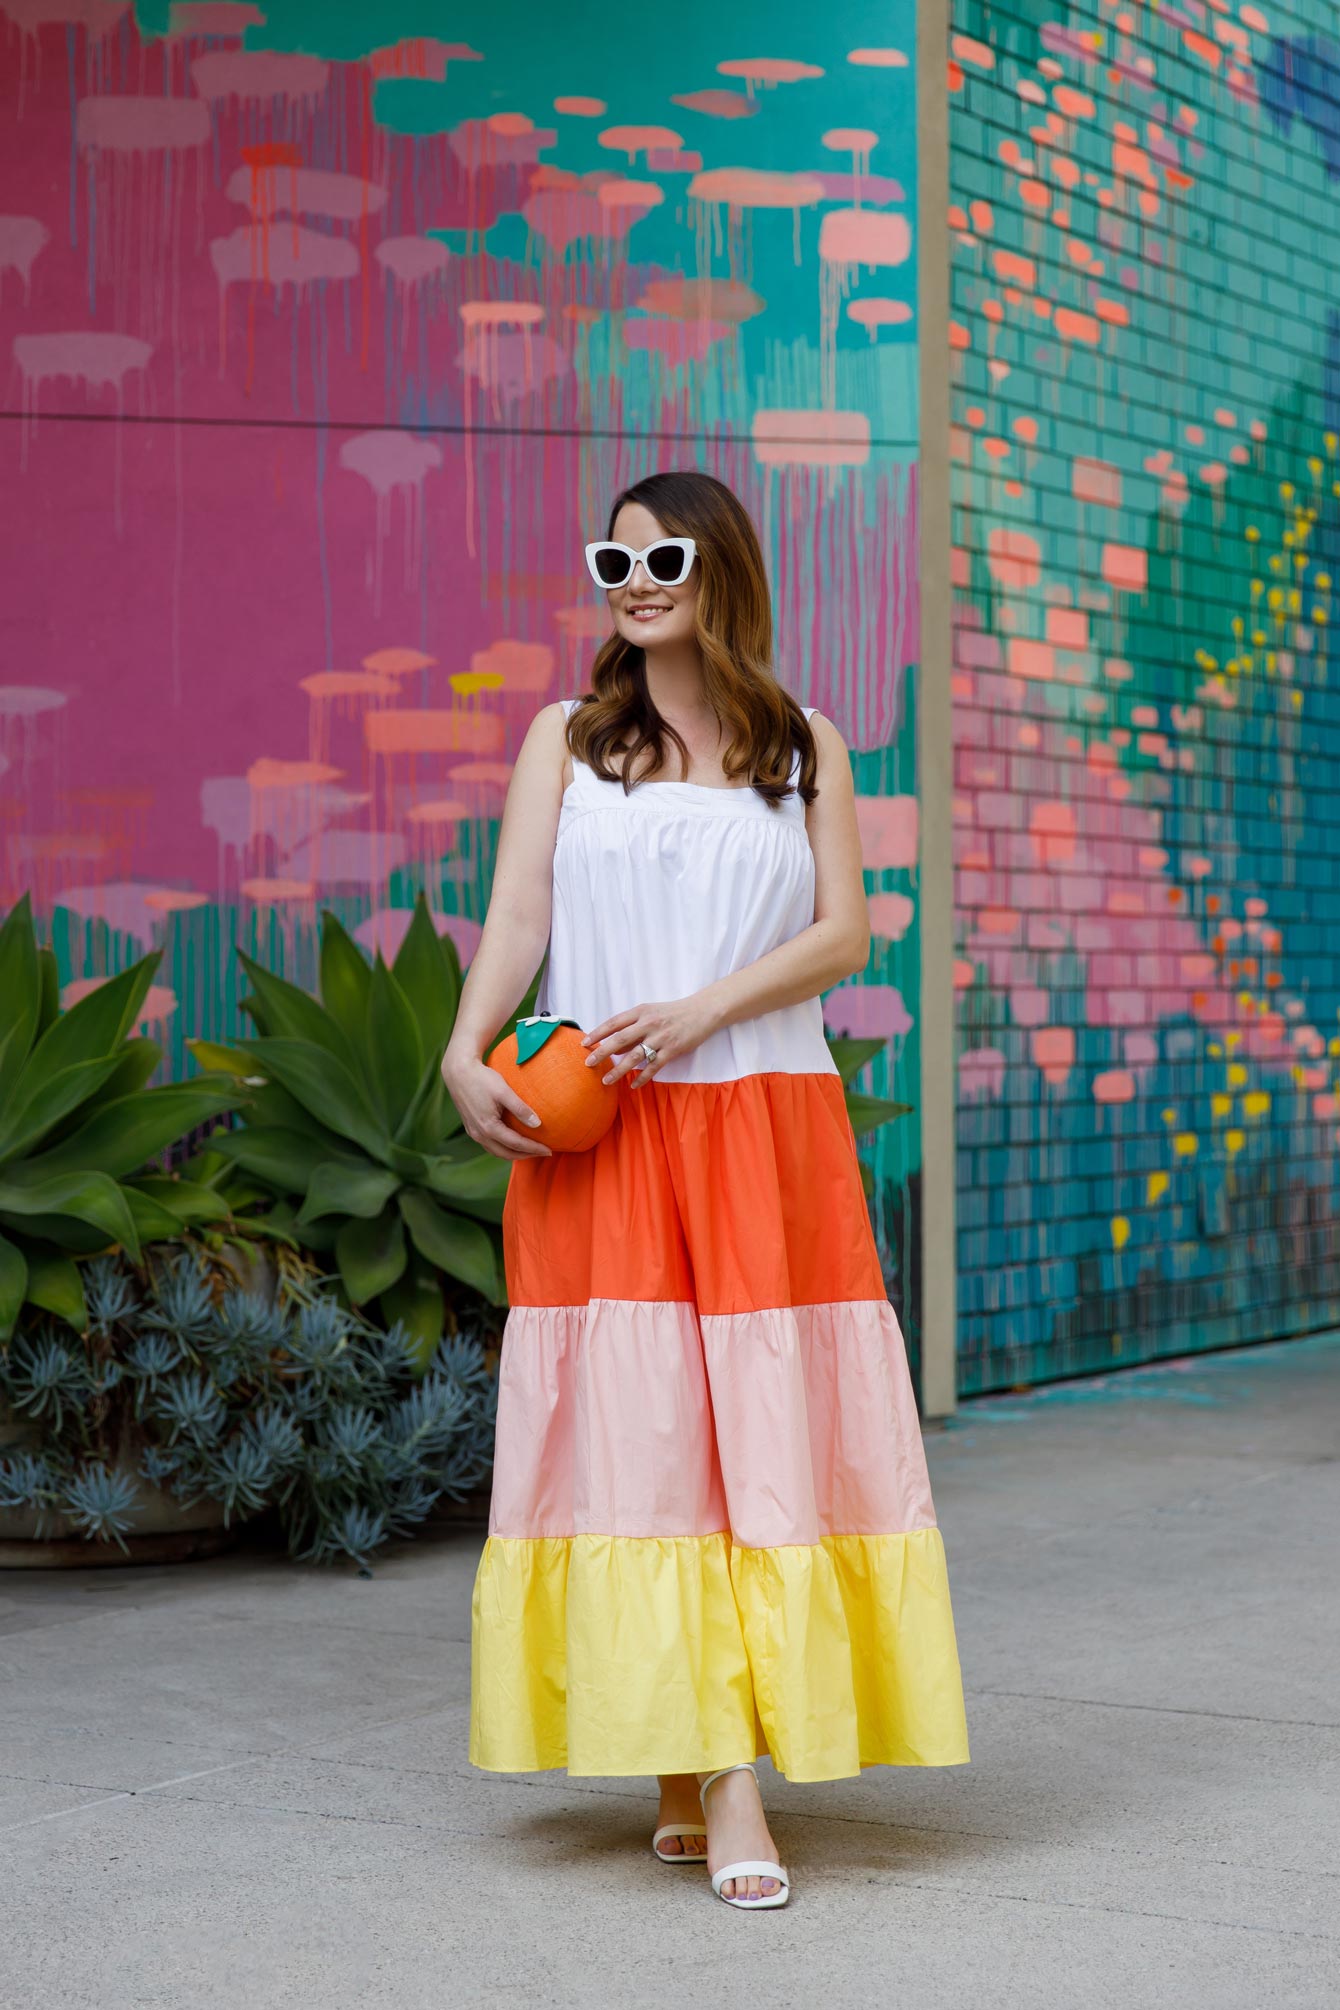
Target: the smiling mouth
(647, 613)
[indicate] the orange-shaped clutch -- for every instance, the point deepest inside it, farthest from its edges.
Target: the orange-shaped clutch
(545, 1062)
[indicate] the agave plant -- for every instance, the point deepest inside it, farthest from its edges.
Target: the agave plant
(78, 1128)
(867, 1113)
(350, 1126)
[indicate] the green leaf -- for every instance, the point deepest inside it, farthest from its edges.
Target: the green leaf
(20, 991)
(31, 1115)
(417, 1302)
(371, 1255)
(264, 1228)
(206, 1164)
(318, 1236)
(95, 1026)
(867, 1113)
(55, 1285)
(153, 1221)
(135, 1063)
(475, 1185)
(432, 1118)
(13, 1284)
(89, 1197)
(120, 1136)
(850, 1056)
(428, 971)
(461, 1248)
(237, 1190)
(325, 1089)
(218, 1059)
(416, 1102)
(64, 1231)
(292, 1014)
(277, 1109)
(48, 981)
(284, 1159)
(347, 1189)
(392, 1048)
(185, 1199)
(346, 978)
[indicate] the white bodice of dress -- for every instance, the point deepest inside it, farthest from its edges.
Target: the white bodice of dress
(661, 891)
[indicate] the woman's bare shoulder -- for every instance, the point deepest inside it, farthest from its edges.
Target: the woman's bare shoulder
(832, 772)
(829, 746)
(543, 753)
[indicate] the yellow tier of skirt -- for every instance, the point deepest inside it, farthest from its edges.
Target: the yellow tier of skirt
(612, 1655)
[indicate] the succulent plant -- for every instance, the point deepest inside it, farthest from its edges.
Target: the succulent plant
(866, 1113)
(79, 1128)
(349, 1125)
(200, 1387)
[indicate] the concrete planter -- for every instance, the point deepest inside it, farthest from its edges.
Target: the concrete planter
(165, 1531)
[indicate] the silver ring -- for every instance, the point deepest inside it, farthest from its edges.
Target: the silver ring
(648, 1054)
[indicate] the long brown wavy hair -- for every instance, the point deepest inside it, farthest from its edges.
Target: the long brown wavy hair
(616, 722)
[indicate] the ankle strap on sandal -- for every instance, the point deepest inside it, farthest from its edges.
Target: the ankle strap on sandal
(744, 1766)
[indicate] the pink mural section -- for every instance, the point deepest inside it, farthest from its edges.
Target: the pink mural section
(327, 345)
(310, 414)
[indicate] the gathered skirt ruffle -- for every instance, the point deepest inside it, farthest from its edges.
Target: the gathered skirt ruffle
(612, 1655)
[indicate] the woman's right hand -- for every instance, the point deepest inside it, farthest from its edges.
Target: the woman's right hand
(485, 1101)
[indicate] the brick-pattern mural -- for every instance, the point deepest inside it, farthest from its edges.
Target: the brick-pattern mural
(1147, 862)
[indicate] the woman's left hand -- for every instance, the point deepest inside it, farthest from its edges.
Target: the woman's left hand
(672, 1030)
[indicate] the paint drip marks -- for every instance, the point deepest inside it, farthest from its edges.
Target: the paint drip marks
(260, 237)
(393, 464)
(144, 157)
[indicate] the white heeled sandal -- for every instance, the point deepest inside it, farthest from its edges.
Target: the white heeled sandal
(752, 1866)
(683, 1855)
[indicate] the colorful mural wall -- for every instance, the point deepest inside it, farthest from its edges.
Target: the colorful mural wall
(329, 339)
(1147, 526)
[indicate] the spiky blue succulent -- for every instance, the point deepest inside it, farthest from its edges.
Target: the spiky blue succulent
(239, 1476)
(29, 1483)
(294, 1403)
(249, 1328)
(110, 1294)
(183, 1303)
(355, 1532)
(101, 1502)
(47, 1376)
(149, 1360)
(191, 1408)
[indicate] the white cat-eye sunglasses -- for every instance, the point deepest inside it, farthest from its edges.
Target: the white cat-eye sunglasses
(668, 561)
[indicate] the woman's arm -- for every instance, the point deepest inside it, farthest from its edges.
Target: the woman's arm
(515, 933)
(834, 946)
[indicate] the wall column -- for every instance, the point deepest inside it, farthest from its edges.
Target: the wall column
(939, 1265)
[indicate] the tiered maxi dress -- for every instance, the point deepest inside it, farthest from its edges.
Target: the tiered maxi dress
(711, 1533)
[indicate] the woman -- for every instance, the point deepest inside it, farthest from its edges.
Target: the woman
(711, 1532)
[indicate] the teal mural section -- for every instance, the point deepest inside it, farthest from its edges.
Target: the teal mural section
(1144, 226)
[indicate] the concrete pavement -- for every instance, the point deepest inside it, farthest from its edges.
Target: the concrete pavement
(241, 1785)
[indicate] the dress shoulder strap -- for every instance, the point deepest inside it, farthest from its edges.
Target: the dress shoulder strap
(794, 777)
